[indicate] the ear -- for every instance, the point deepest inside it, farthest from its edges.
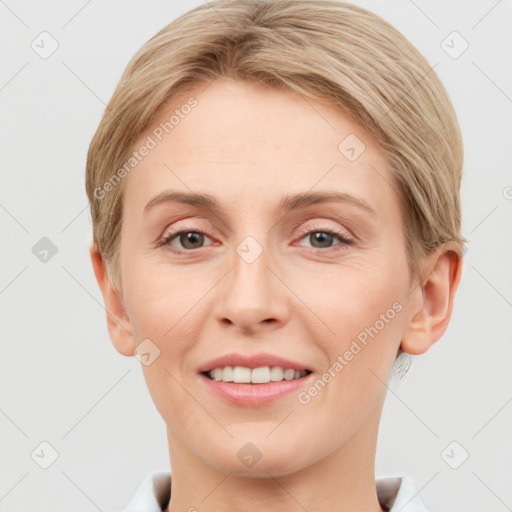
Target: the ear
(118, 323)
(436, 292)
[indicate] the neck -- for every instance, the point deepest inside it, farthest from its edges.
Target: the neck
(343, 480)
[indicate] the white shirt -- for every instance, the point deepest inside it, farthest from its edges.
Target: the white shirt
(394, 494)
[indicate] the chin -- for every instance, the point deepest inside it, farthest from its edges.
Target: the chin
(260, 459)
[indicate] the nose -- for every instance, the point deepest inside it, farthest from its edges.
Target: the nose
(252, 296)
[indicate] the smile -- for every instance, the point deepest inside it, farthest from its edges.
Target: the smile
(261, 375)
(248, 393)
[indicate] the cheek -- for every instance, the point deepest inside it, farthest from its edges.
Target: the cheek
(363, 316)
(352, 297)
(160, 299)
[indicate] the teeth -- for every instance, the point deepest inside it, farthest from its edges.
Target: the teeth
(262, 375)
(276, 373)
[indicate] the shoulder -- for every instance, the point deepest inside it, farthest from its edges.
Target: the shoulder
(152, 495)
(399, 494)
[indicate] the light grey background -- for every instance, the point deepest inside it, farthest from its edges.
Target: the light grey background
(63, 382)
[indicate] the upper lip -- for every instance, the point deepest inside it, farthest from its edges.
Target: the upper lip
(251, 361)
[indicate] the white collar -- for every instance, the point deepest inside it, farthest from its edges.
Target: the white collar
(396, 494)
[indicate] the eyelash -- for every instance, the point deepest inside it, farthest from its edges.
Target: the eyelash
(345, 242)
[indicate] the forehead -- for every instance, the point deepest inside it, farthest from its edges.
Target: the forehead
(245, 140)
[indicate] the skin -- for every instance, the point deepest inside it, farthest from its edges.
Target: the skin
(248, 146)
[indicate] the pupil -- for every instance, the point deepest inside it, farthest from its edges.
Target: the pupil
(190, 237)
(321, 235)
(194, 238)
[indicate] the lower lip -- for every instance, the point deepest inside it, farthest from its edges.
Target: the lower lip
(254, 394)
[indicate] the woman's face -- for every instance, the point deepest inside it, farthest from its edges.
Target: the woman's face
(322, 283)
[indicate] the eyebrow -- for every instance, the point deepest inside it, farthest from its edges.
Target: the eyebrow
(288, 203)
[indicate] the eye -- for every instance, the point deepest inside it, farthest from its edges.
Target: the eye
(192, 239)
(189, 240)
(324, 238)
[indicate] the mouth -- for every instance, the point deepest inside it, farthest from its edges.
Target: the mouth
(254, 376)
(255, 387)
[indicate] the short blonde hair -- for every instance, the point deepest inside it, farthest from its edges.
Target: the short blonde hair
(327, 50)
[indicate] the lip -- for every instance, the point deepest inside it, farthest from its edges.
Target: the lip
(253, 395)
(252, 361)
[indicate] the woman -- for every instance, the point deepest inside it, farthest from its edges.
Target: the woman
(274, 190)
